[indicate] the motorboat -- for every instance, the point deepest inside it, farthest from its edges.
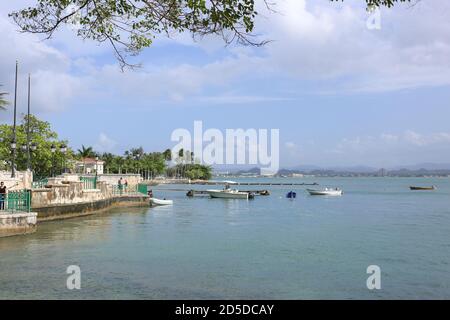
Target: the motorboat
(160, 202)
(325, 192)
(228, 194)
(423, 188)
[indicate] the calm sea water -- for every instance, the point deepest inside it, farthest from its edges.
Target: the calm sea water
(269, 247)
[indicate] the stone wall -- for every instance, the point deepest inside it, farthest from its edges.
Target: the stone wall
(69, 193)
(133, 179)
(13, 224)
(57, 212)
(63, 199)
(22, 180)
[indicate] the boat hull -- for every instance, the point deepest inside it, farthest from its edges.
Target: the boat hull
(332, 193)
(422, 188)
(160, 202)
(227, 195)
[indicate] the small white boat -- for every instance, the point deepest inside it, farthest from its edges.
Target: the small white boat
(325, 192)
(160, 202)
(228, 194)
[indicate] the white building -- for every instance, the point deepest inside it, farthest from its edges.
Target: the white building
(89, 166)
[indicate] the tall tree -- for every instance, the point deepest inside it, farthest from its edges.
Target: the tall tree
(167, 155)
(180, 160)
(42, 136)
(86, 152)
(131, 25)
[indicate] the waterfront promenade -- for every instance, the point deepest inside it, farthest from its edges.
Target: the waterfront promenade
(65, 196)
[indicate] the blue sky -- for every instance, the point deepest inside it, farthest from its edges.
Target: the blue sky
(340, 94)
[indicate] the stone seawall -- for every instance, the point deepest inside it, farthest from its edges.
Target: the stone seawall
(69, 193)
(79, 209)
(112, 179)
(66, 197)
(12, 224)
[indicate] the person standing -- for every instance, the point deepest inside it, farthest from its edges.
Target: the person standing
(2, 195)
(120, 185)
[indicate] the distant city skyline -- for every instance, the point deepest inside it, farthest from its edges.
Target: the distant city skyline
(341, 94)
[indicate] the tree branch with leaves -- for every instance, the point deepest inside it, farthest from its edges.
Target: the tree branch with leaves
(129, 26)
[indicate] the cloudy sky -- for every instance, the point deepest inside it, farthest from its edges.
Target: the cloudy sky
(341, 93)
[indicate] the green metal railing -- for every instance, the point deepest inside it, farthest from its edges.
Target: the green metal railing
(15, 201)
(39, 184)
(139, 189)
(89, 182)
(142, 188)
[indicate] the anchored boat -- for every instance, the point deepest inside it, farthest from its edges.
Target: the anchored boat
(423, 188)
(325, 192)
(291, 195)
(228, 194)
(160, 202)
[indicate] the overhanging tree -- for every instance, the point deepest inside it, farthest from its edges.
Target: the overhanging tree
(131, 25)
(41, 134)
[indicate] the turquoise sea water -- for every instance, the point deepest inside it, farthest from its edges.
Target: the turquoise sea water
(266, 248)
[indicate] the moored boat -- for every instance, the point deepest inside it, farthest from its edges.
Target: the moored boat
(415, 188)
(228, 194)
(291, 195)
(325, 192)
(160, 202)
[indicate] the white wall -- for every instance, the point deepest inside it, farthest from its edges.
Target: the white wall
(22, 180)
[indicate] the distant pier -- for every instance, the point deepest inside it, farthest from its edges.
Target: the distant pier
(193, 193)
(215, 183)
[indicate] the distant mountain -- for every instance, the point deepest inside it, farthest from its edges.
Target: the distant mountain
(253, 171)
(422, 169)
(355, 169)
(311, 168)
(424, 166)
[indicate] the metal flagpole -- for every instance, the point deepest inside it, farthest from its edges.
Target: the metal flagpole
(28, 125)
(13, 142)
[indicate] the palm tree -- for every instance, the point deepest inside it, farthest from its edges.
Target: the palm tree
(181, 158)
(109, 160)
(3, 102)
(167, 155)
(86, 152)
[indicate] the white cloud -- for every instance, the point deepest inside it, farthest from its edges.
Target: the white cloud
(409, 147)
(290, 145)
(312, 41)
(330, 41)
(239, 99)
(52, 84)
(105, 143)
(174, 83)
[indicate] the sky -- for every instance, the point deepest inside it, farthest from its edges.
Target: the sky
(341, 94)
